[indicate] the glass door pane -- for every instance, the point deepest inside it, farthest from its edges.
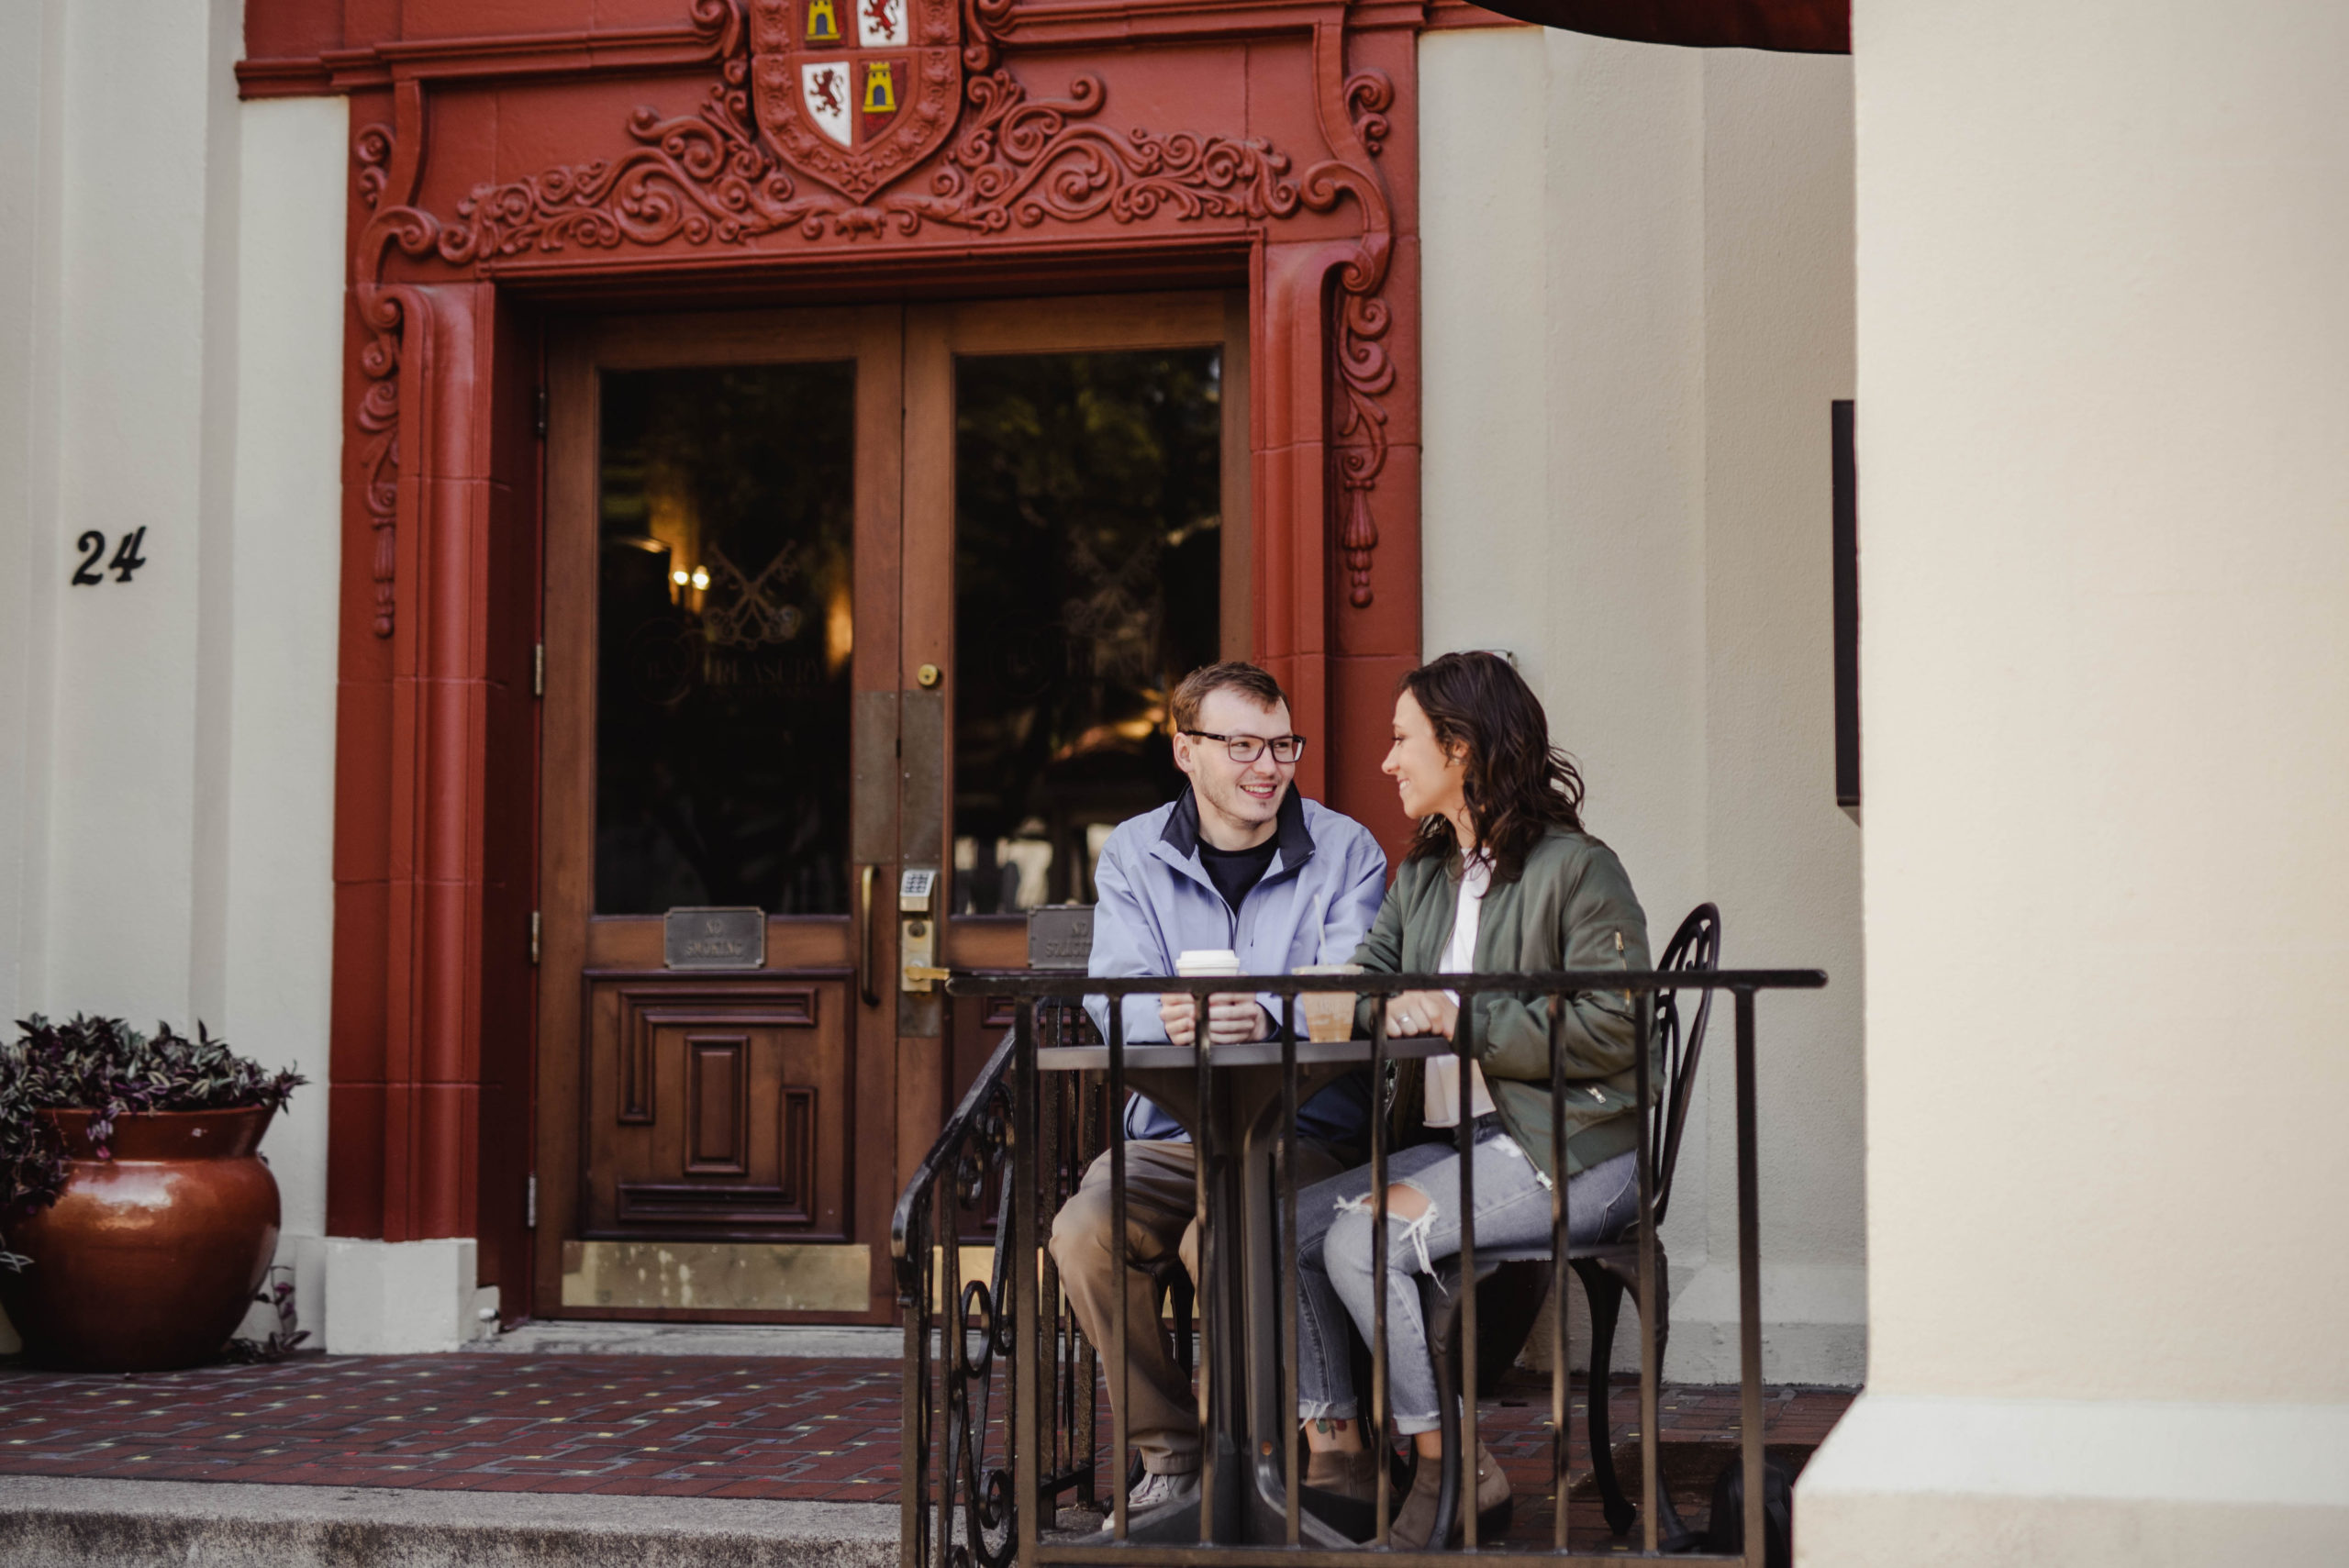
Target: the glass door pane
(724, 629)
(1087, 570)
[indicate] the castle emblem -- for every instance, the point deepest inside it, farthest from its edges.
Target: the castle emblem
(854, 92)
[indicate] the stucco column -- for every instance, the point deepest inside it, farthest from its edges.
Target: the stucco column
(2104, 482)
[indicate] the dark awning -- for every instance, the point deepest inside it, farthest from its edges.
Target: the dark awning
(1799, 27)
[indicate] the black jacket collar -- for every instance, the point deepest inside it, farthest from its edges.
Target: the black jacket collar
(1182, 829)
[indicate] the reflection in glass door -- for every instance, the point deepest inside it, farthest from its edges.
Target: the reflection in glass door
(1088, 575)
(726, 625)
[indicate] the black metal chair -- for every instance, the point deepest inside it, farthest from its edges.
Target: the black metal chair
(1607, 1269)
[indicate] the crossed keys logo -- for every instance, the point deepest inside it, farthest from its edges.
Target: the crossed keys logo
(755, 618)
(854, 92)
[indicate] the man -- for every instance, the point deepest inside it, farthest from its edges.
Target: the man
(1240, 862)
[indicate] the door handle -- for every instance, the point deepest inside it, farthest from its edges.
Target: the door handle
(865, 970)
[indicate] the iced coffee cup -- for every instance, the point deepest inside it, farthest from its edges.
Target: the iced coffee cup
(1328, 1014)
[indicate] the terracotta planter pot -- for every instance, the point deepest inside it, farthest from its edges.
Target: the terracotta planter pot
(147, 1261)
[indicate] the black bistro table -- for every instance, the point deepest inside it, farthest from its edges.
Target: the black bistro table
(1229, 1099)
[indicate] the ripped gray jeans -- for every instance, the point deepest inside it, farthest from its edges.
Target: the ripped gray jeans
(1333, 1226)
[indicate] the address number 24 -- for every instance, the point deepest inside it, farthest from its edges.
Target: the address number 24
(127, 558)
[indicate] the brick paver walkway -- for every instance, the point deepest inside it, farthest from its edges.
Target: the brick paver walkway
(780, 1429)
(648, 1426)
(1696, 1436)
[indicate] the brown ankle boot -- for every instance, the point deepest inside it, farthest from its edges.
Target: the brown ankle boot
(1354, 1476)
(1492, 1493)
(1415, 1522)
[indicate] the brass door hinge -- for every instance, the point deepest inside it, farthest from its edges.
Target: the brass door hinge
(539, 670)
(534, 936)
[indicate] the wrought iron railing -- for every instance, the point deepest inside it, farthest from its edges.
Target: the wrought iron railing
(958, 1506)
(1001, 1389)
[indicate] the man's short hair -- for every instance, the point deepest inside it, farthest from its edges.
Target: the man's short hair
(1236, 673)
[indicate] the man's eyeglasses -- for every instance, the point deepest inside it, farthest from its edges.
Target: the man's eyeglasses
(1286, 748)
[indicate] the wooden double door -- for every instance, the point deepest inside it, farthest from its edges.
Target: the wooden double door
(835, 598)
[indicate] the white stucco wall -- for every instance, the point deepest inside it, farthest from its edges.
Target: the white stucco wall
(2104, 437)
(32, 76)
(1638, 296)
(138, 313)
(276, 955)
(171, 282)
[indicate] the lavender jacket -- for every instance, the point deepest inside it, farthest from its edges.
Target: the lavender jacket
(1314, 904)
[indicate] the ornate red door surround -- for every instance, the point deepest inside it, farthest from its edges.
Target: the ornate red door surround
(1027, 147)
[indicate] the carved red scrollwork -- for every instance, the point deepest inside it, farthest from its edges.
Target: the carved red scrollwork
(389, 160)
(379, 423)
(719, 176)
(1354, 121)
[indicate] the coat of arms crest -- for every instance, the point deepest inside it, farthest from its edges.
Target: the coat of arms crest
(854, 92)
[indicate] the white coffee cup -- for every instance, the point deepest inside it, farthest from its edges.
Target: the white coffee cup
(1194, 964)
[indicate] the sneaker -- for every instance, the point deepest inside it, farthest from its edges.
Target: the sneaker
(1155, 1491)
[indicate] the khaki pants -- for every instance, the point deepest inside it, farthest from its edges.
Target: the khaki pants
(1162, 1425)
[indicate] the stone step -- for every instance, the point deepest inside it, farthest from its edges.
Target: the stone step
(742, 1339)
(62, 1522)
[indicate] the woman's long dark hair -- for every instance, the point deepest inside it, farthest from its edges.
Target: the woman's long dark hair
(1518, 785)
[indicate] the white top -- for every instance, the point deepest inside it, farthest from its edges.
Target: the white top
(1460, 958)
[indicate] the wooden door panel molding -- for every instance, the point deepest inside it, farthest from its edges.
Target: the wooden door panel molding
(735, 1210)
(793, 941)
(1084, 323)
(645, 1012)
(732, 338)
(718, 1108)
(987, 941)
(729, 1213)
(723, 1111)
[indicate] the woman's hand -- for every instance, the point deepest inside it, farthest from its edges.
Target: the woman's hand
(1422, 1012)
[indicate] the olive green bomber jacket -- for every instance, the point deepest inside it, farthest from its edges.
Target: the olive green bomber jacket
(1573, 908)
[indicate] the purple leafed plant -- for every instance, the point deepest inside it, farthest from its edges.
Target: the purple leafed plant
(104, 1065)
(278, 1295)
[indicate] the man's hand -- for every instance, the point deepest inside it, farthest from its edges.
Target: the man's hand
(1229, 1017)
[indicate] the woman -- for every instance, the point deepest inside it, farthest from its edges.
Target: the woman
(1500, 876)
